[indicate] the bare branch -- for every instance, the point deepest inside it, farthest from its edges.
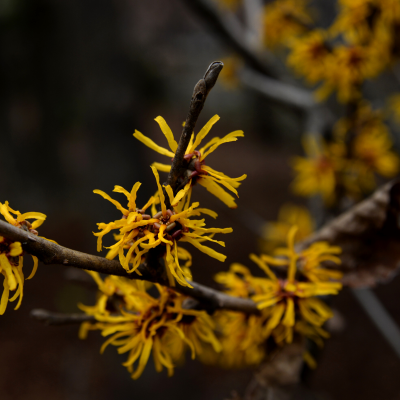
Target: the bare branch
(369, 235)
(51, 253)
(200, 93)
(52, 318)
(278, 91)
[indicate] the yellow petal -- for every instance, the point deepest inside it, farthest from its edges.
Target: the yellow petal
(162, 167)
(181, 194)
(4, 297)
(35, 267)
(160, 191)
(31, 215)
(231, 137)
(6, 266)
(170, 194)
(206, 250)
(263, 266)
(218, 192)
(149, 143)
(167, 132)
(288, 319)
(16, 249)
(202, 134)
(115, 202)
(143, 358)
(120, 189)
(6, 214)
(132, 198)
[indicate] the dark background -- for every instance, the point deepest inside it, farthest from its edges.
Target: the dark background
(77, 77)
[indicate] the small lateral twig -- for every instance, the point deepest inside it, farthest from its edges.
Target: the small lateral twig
(52, 253)
(200, 93)
(52, 318)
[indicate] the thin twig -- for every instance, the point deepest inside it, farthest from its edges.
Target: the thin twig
(52, 253)
(200, 93)
(52, 318)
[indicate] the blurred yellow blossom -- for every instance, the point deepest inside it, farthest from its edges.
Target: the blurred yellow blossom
(197, 171)
(285, 19)
(370, 149)
(354, 20)
(11, 255)
(275, 233)
(310, 55)
(229, 74)
(141, 324)
(347, 69)
(315, 174)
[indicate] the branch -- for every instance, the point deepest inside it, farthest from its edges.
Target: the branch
(369, 235)
(227, 27)
(52, 318)
(52, 253)
(278, 91)
(200, 93)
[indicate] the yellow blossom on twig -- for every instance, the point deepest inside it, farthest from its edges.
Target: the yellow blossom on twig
(139, 232)
(316, 173)
(142, 325)
(275, 233)
(284, 20)
(11, 255)
(197, 171)
(292, 298)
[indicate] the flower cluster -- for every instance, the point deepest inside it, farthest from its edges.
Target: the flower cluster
(11, 255)
(288, 301)
(360, 150)
(140, 232)
(285, 19)
(142, 324)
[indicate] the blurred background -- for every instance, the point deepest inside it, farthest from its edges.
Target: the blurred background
(77, 78)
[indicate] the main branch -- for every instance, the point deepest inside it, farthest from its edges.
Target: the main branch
(52, 253)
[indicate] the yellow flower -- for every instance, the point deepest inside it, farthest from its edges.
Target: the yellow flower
(285, 19)
(11, 255)
(286, 299)
(316, 173)
(390, 10)
(139, 232)
(275, 233)
(196, 169)
(142, 325)
(241, 339)
(240, 334)
(348, 67)
(371, 149)
(354, 20)
(310, 55)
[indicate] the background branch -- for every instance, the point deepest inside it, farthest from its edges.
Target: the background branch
(52, 318)
(226, 25)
